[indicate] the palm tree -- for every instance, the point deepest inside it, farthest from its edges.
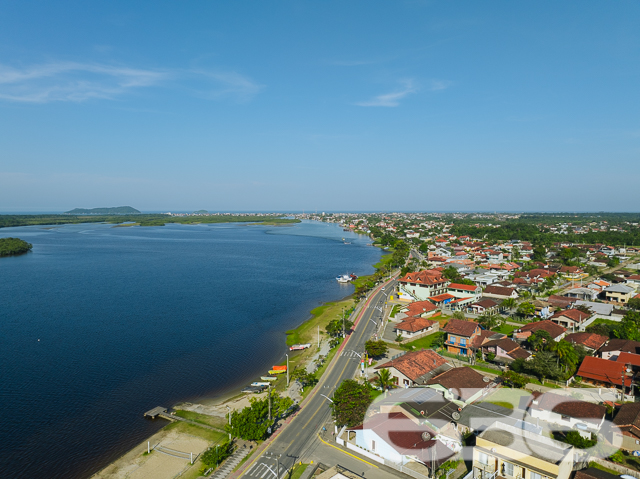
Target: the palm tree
(508, 303)
(384, 379)
(564, 350)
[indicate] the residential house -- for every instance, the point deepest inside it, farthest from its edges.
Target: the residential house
(572, 273)
(500, 292)
(484, 306)
(591, 341)
(565, 411)
(395, 438)
(510, 453)
(415, 327)
(556, 331)
(585, 294)
(422, 285)
(570, 318)
(504, 349)
(627, 433)
(415, 367)
(560, 301)
(591, 473)
(462, 385)
(619, 293)
(630, 359)
(480, 416)
(614, 347)
(465, 291)
(604, 372)
(424, 309)
(461, 335)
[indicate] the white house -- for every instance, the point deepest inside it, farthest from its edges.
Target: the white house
(566, 411)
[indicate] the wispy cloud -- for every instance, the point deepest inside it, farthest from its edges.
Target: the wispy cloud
(392, 99)
(440, 85)
(78, 82)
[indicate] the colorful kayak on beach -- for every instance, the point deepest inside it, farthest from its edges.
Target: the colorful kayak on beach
(279, 368)
(277, 371)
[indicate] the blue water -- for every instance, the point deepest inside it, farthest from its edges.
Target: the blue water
(100, 324)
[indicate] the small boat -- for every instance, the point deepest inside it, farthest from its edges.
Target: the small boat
(277, 371)
(345, 278)
(268, 378)
(353, 276)
(257, 384)
(279, 368)
(298, 347)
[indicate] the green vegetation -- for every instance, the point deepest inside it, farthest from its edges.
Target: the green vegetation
(216, 454)
(384, 380)
(253, 423)
(396, 309)
(602, 468)
(505, 328)
(142, 219)
(187, 428)
(350, 403)
(375, 349)
(298, 470)
(118, 210)
(575, 439)
(432, 341)
(205, 419)
(13, 246)
(514, 380)
(504, 404)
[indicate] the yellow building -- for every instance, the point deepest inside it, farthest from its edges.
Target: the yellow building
(507, 452)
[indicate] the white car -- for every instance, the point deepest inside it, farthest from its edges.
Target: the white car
(383, 288)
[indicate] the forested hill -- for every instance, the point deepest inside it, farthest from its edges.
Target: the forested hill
(118, 210)
(11, 246)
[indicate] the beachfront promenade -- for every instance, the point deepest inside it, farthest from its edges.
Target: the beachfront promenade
(300, 438)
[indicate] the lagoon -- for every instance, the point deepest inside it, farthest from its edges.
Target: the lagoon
(99, 324)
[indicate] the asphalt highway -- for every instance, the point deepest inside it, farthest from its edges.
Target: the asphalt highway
(298, 437)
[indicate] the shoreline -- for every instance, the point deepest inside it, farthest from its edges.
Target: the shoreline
(234, 398)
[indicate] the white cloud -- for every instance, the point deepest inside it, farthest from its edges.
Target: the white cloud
(77, 82)
(440, 85)
(392, 99)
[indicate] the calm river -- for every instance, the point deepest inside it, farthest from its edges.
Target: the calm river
(99, 324)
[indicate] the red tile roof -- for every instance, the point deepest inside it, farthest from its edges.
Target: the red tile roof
(464, 287)
(416, 363)
(464, 382)
(602, 370)
(550, 327)
(590, 340)
(568, 406)
(460, 327)
(415, 324)
(486, 303)
(629, 358)
(420, 307)
(499, 290)
(429, 277)
(573, 314)
(441, 297)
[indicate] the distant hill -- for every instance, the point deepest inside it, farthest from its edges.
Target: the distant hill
(117, 210)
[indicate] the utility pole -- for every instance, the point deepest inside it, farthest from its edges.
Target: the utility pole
(318, 336)
(269, 393)
(287, 370)
(229, 411)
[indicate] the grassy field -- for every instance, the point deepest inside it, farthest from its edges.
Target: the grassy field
(608, 322)
(194, 430)
(213, 421)
(425, 342)
(506, 329)
(298, 470)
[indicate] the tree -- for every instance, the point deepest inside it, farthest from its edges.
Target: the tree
(335, 327)
(350, 403)
(565, 352)
(490, 320)
(634, 303)
(539, 339)
(508, 303)
(613, 262)
(513, 379)
(376, 349)
(384, 379)
(304, 378)
(459, 315)
(216, 454)
(526, 309)
(539, 253)
(575, 439)
(252, 423)
(629, 327)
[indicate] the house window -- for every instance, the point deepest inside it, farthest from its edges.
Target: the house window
(483, 458)
(535, 475)
(637, 442)
(463, 342)
(508, 468)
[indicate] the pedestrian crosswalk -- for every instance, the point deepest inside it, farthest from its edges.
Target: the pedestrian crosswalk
(350, 354)
(263, 470)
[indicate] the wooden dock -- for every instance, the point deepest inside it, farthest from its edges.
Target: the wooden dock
(156, 411)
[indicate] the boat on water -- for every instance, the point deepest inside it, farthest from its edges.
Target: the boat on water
(256, 383)
(345, 278)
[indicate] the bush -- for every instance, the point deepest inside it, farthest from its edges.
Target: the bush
(216, 454)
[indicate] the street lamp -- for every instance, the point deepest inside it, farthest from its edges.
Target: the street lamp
(229, 411)
(287, 355)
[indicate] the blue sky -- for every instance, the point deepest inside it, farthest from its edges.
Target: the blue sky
(359, 105)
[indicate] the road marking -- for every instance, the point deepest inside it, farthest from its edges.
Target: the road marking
(347, 453)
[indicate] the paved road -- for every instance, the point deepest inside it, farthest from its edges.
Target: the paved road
(299, 439)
